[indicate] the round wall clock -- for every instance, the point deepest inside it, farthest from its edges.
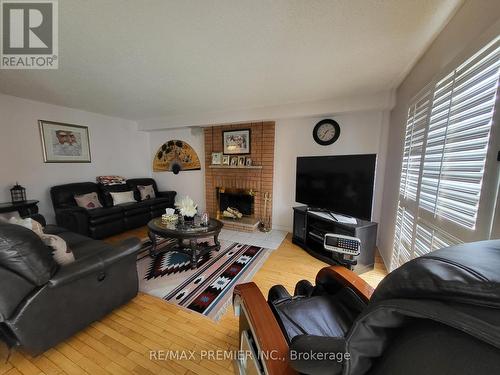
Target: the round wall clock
(326, 132)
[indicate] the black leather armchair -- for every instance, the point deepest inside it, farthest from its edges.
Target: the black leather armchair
(42, 304)
(110, 219)
(438, 314)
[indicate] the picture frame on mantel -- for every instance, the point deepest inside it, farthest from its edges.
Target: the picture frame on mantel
(236, 142)
(64, 143)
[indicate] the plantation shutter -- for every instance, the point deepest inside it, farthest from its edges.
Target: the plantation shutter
(458, 136)
(448, 130)
(416, 124)
(402, 251)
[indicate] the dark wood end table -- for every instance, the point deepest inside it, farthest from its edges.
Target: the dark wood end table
(186, 235)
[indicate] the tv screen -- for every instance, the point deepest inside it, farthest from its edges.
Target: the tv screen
(341, 184)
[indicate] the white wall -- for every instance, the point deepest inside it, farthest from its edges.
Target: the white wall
(190, 183)
(116, 146)
(360, 133)
(464, 34)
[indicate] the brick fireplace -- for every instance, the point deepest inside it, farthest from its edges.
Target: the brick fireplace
(252, 184)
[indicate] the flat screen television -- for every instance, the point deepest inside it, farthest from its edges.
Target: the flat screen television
(341, 184)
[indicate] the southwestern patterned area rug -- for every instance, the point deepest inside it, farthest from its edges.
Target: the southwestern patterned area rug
(207, 289)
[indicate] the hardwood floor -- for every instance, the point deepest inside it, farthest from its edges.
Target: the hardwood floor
(121, 342)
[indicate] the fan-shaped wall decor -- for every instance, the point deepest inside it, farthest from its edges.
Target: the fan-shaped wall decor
(175, 156)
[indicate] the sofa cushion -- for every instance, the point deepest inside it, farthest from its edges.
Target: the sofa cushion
(134, 182)
(23, 252)
(89, 201)
(106, 219)
(326, 315)
(90, 248)
(72, 239)
(106, 191)
(104, 211)
(132, 209)
(123, 197)
(146, 192)
(54, 229)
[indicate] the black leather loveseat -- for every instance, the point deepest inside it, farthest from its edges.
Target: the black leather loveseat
(108, 220)
(41, 303)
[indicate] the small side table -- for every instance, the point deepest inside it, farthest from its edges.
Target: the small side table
(25, 209)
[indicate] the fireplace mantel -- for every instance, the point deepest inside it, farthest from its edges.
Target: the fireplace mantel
(235, 166)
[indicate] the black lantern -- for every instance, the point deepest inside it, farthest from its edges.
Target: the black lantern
(18, 193)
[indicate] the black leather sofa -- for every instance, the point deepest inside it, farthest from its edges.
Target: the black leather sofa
(108, 220)
(437, 314)
(41, 303)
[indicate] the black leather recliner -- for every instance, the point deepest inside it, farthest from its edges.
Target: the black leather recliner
(110, 219)
(437, 314)
(41, 303)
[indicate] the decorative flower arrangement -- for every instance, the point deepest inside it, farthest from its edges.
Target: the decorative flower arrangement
(186, 206)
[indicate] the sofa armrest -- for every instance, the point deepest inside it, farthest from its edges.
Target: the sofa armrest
(318, 355)
(167, 194)
(74, 219)
(95, 264)
(343, 277)
(265, 329)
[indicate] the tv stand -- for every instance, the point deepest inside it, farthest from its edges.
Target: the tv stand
(310, 225)
(329, 215)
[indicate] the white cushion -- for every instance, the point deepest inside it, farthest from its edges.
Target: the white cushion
(123, 197)
(6, 216)
(22, 222)
(60, 251)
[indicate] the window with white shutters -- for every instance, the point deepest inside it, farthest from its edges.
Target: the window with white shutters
(458, 136)
(447, 135)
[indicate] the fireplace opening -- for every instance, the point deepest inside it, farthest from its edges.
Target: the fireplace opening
(240, 199)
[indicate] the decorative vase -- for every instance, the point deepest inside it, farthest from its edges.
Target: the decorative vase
(189, 219)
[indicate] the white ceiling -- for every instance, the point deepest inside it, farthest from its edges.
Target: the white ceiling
(146, 59)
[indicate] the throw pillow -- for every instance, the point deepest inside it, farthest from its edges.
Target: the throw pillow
(60, 250)
(36, 227)
(6, 216)
(88, 201)
(147, 192)
(123, 197)
(28, 223)
(22, 222)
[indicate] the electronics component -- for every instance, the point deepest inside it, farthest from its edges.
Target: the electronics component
(339, 243)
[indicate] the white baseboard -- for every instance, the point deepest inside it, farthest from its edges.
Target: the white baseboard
(283, 228)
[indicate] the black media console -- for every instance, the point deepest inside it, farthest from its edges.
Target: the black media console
(309, 229)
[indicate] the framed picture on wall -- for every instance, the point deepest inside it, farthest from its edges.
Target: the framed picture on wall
(216, 158)
(64, 143)
(236, 142)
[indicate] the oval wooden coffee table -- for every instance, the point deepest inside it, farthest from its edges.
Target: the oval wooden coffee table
(186, 235)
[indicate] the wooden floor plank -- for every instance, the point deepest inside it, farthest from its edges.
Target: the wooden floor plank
(121, 342)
